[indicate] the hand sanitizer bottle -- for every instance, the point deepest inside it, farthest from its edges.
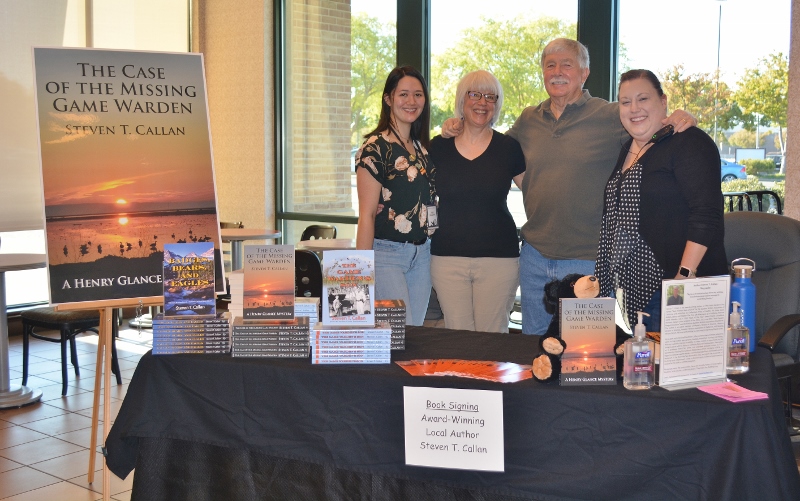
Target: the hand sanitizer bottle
(639, 371)
(738, 343)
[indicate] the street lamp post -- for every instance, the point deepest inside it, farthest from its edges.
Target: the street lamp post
(716, 76)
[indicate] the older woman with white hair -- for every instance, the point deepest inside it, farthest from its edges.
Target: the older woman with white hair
(475, 251)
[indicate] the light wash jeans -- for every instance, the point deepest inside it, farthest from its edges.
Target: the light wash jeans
(535, 271)
(403, 271)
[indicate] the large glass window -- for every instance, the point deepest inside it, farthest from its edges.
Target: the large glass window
(358, 38)
(727, 63)
(336, 56)
(117, 24)
(507, 40)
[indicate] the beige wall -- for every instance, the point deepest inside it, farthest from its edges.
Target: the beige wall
(236, 41)
(792, 208)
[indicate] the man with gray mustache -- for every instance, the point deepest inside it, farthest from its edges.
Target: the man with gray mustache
(571, 143)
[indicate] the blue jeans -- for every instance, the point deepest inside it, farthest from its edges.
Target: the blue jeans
(403, 271)
(535, 271)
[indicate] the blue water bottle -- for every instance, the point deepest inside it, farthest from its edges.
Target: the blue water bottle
(743, 291)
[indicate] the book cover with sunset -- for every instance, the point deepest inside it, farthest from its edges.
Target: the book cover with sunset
(268, 282)
(126, 168)
(588, 328)
(189, 280)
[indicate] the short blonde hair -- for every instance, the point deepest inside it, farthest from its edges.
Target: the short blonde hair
(480, 81)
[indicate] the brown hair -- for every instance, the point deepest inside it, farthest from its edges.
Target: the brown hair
(645, 74)
(420, 129)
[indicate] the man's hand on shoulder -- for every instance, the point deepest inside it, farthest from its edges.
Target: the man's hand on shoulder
(680, 120)
(452, 127)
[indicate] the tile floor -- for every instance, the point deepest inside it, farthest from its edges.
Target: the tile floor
(44, 447)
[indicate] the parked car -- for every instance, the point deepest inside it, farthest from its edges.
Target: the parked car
(353, 152)
(731, 171)
(778, 159)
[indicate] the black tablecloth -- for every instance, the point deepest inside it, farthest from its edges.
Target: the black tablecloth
(281, 429)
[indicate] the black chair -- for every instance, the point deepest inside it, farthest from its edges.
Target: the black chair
(740, 198)
(773, 242)
(69, 324)
(319, 231)
(307, 274)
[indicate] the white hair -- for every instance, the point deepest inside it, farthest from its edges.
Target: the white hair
(567, 45)
(480, 81)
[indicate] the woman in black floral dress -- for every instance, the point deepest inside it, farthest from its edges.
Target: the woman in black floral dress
(395, 191)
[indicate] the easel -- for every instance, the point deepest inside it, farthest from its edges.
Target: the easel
(103, 367)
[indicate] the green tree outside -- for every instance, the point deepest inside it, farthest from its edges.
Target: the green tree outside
(372, 56)
(696, 93)
(511, 50)
(762, 96)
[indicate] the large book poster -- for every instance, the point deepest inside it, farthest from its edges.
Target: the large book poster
(268, 282)
(126, 168)
(348, 287)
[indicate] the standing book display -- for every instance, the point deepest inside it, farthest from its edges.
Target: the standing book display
(348, 333)
(588, 328)
(126, 161)
(268, 282)
(267, 325)
(189, 323)
(348, 287)
(189, 280)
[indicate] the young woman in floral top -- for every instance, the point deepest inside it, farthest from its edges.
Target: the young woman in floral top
(395, 183)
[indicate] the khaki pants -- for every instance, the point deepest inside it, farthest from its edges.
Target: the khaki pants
(475, 293)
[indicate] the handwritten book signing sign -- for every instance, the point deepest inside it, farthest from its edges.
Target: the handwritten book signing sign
(126, 168)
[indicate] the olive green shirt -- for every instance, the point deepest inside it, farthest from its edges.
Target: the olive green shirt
(568, 163)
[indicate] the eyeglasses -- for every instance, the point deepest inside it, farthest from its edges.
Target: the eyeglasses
(476, 96)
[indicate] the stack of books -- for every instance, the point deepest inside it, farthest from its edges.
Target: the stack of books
(236, 286)
(391, 313)
(307, 307)
(196, 334)
(270, 338)
(350, 345)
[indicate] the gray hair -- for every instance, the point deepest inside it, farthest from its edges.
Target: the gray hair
(481, 81)
(567, 45)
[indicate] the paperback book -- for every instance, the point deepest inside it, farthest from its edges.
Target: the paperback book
(270, 338)
(189, 280)
(348, 345)
(348, 287)
(268, 292)
(191, 334)
(391, 313)
(588, 329)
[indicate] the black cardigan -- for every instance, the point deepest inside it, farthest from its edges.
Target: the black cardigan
(681, 199)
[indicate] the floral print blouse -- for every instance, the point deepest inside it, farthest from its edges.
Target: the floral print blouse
(407, 186)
